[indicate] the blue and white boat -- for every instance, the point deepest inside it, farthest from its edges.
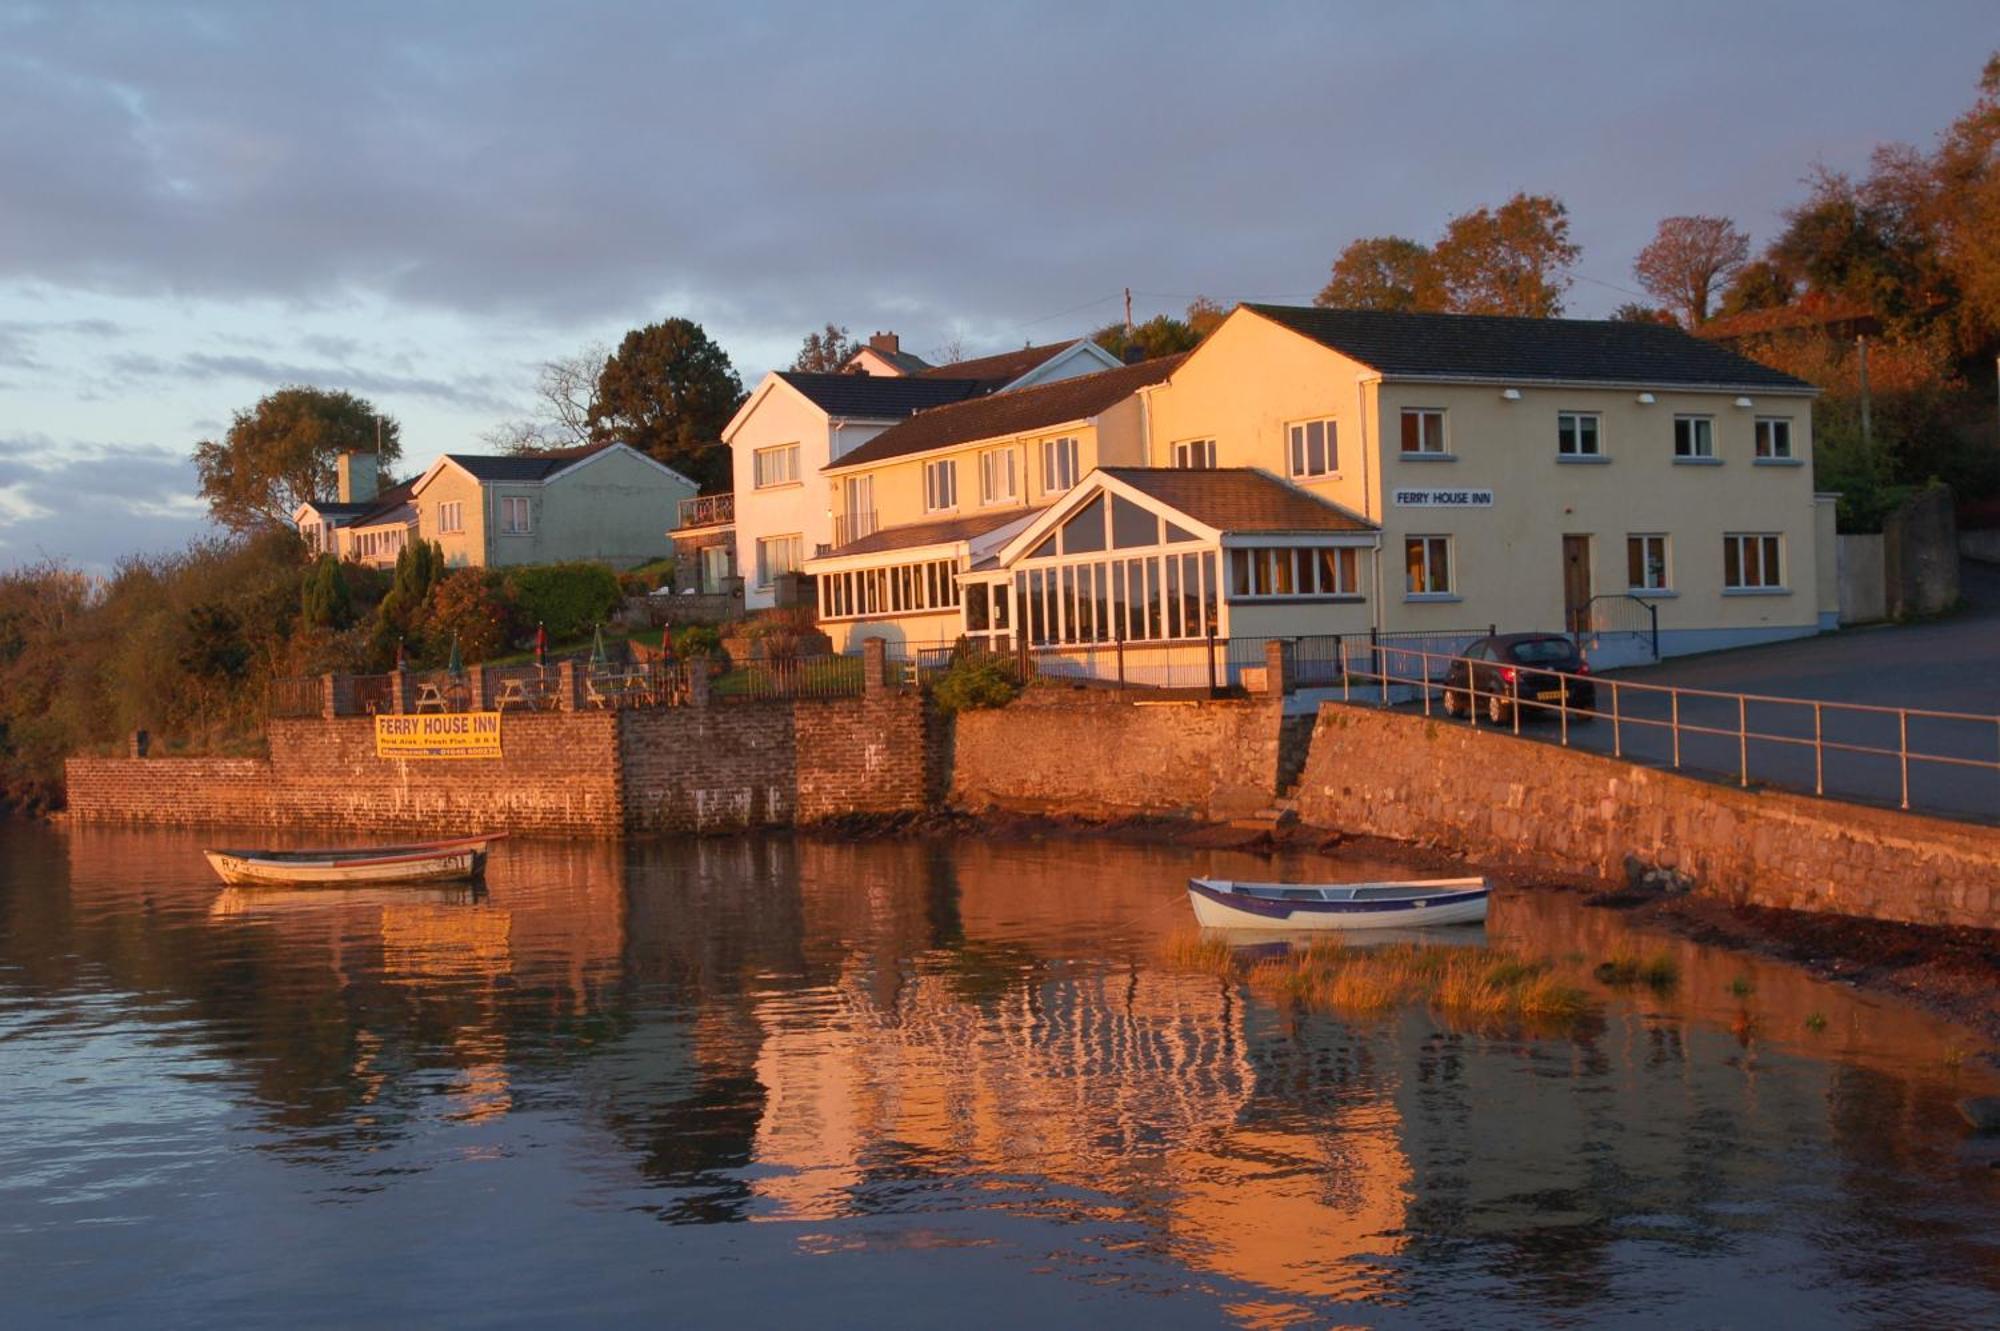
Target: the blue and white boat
(1221, 903)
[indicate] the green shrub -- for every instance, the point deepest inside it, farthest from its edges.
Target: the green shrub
(325, 601)
(567, 599)
(974, 680)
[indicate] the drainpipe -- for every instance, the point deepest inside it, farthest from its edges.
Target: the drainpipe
(1368, 499)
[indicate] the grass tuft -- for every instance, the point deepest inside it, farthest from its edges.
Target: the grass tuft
(1329, 975)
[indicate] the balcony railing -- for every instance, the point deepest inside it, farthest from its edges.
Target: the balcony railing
(708, 511)
(851, 527)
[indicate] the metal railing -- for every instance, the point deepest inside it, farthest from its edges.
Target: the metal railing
(708, 510)
(819, 676)
(1914, 758)
(1622, 614)
(295, 697)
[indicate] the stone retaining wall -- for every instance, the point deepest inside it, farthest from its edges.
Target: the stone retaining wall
(1500, 799)
(688, 769)
(1099, 755)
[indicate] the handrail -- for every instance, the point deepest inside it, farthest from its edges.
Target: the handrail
(1420, 669)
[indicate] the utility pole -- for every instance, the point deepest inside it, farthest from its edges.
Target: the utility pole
(1128, 314)
(1867, 427)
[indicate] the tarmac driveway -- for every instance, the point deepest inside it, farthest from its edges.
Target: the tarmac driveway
(1948, 665)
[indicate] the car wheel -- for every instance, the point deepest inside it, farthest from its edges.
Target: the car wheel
(1454, 705)
(1496, 709)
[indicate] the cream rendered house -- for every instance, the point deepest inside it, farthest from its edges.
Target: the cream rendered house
(362, 522)
(607, 502)
(1527, 473)
(794, 424)
(1308, 472)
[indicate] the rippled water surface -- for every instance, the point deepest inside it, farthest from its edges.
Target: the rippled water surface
(766, 1082)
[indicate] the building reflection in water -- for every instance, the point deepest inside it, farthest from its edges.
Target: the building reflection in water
(805, 1032)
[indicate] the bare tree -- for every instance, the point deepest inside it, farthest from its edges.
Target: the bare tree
(1689, 260)
(564, 389)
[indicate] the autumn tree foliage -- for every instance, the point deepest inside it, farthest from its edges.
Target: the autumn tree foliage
(1163, 334)
(283, 452)
(1514, 259)
(826, 351)
(668, 390)
(1689, 260)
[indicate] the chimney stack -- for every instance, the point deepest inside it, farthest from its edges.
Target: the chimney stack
(357, 478)
(886, 343)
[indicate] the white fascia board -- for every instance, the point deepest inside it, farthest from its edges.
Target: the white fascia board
(1317, 540)
(983, 444)
(770, 381)
(902, 554)
(1098, 482)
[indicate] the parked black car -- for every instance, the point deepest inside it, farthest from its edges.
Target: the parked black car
(1504, 671)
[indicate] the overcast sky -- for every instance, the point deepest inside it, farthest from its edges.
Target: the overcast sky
(418, 203)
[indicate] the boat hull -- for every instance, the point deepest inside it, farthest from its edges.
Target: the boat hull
(436, 862)
(1216, 908)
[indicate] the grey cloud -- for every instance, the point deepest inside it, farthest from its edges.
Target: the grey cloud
(770, 169)
(93, 504)
(472, 392)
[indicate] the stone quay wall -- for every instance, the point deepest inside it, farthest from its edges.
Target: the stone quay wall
(1499, 799)
(722, 767)
(1100, 755)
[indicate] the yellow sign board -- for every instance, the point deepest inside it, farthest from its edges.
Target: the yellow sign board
(438, 735)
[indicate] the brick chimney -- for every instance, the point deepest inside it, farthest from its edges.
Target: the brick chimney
(886, 343)
(357, 478)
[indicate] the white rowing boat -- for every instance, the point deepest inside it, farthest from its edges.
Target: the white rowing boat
(1221, 903)
(452, 861)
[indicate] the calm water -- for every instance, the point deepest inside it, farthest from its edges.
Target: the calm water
(755, 1083)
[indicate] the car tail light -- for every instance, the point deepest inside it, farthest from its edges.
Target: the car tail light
(1510, 674)
(1583, 667)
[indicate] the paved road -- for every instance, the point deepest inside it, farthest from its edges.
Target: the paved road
(1951, 665)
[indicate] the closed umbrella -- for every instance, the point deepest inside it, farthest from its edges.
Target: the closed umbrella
(456, 665)
(542, 646)
(599, 658)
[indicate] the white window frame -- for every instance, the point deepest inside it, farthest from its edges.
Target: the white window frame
(774, 467)
(1769, 547)
(767, 576)
(1700, 437)
(1061, 460)
(990, 473)
(1434, 587)
(1569, 434)
(510, 525)
(1195, 455)
(1646, 540)
(1298, 449)
(1430, 433)
(941, 485)
(1771, 432)
(1257, 573)
(451, 517)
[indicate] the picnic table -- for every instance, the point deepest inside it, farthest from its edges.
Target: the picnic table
(441, 696)
(612, 689)
(535, 692)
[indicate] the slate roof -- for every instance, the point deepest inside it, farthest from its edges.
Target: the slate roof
(999, 414)
(902, 360)
(1239, 499)
(942, 531)
(877, 396)
(386, 504)
(522, 466)
(1481, 346)
(1000, 369)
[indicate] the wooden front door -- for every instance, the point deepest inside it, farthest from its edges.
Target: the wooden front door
(1576, 585)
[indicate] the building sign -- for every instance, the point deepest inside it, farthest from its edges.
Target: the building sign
(438, 735)
(1443, 498)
